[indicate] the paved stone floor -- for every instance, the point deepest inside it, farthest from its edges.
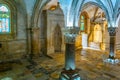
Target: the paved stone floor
(89, 63)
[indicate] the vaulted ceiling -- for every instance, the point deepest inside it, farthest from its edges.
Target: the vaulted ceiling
(73, 8)
(95, 13)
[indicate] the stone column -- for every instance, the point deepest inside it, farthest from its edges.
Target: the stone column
(29, 43)
(35, 42)
(70, 53)
(70, 72)
(112, 33)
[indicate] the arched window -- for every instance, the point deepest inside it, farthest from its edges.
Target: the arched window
(8, 20)
(5, 20)
(83, 22)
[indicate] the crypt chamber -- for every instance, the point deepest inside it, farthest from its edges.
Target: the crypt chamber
(59, 40)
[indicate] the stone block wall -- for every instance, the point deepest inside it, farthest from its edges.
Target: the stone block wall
(15, 47)
(12, 49)
(118, 38)
(54, 19)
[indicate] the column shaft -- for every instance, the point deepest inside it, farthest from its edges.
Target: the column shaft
(69, 72)
(112, 46)
(112, 33)
(70, 56)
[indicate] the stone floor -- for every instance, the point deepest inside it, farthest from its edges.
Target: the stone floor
(89, 63)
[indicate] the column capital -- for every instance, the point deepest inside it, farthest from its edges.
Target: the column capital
(70, 34)
(112, 31)
(35, 28)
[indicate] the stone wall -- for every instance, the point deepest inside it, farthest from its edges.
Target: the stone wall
(15, 47)
(78, 41)
(54, 19)
(118, 38)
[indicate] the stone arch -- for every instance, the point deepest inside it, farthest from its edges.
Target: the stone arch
(91, 33)
(81, 39)
(118, 20)
(99, 5)
(96, 4)
(40, 20)
(57, 38)
(35, 29)
(86, 14)
(37, 12)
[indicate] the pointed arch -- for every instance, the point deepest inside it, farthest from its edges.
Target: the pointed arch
(10, 18)
(83, 21)
(100, 5)
(85, 13)
(57, 38)
(37, 11)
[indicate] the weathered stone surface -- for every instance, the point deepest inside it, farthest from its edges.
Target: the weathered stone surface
(51, 37)
(6, 78)
(55, 75)
(38, 75)
(46, 69)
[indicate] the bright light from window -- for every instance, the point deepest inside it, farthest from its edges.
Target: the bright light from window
(7, 78)
(3, 8)
(69, 24)
(4, 19)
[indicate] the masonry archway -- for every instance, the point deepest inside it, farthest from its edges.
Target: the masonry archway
(57, 39)
(48, 18)
(96, 17)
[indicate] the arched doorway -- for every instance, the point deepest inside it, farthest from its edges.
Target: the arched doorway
(97, 33)
(57, 39)
(82, 37)
(96, 26)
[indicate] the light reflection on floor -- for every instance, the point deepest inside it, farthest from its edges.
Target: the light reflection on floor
(7, 78)
(89, 63)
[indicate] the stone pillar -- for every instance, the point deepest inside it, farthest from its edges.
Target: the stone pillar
(70, 72)
(70, 54)
(112, 34)
(35, 42)
(103, 36)
(111, 58)
(29, 42)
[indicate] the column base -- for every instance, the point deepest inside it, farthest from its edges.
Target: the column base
(112, 60)
(69, 75)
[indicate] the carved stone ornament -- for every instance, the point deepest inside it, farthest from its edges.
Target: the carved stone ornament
(70, 33)
(69, 75)
(112, 31)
